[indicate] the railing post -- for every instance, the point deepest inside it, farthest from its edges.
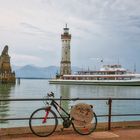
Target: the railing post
(60, 100)
(18, 81)
(109, 113)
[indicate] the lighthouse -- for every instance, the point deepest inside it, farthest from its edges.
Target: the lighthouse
(65, 66)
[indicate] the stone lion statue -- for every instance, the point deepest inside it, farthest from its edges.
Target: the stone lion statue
(5, 50)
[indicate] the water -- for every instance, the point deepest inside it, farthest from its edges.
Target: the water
(39, 88)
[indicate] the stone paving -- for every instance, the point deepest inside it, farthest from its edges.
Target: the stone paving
(116, 134)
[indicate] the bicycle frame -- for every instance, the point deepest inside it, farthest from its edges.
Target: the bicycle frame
(56, 106)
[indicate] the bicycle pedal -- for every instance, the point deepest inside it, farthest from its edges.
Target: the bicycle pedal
(61, 129)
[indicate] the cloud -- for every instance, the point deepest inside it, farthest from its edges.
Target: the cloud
(99, 28)
(33, 30)
(22, 59)
(31, 27)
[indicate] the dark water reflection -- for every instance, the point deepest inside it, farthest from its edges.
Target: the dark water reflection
(5, 90)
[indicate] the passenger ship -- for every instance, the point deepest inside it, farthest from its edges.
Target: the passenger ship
(107, 75)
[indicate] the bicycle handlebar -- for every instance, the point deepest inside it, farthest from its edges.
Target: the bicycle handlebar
(51, 94)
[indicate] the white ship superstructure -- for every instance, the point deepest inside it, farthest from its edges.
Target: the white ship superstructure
(107, 75)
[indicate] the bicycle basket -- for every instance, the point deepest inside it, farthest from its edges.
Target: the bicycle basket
(82, 114)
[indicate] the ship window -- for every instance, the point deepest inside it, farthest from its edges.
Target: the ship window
(111, 72)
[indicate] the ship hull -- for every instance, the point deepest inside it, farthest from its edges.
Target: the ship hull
(97, 82)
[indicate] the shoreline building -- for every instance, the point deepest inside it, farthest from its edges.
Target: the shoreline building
(65, 65)
(6, 74)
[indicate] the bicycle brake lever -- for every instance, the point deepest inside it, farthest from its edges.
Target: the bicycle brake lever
(52, 94)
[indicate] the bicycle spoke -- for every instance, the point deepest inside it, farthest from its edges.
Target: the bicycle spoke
(83, 128)
(40, 126)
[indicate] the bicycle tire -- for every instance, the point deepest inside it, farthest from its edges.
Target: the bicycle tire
(86, 129)
(38, 127)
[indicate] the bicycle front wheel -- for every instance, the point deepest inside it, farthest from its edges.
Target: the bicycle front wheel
(41, 127)
(83, 128)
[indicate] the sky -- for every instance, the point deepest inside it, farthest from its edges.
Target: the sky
(107, 30)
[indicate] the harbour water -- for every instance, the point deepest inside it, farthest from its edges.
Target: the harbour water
(38, 88)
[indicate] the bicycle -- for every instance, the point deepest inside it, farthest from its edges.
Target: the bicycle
(43, 121)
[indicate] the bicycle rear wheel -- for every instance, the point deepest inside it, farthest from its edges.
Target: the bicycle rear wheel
(85, 129)
(40, 127)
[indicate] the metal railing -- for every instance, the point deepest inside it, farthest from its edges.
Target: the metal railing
(109, 102)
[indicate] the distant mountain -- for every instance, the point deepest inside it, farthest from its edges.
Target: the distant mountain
(30, 71)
